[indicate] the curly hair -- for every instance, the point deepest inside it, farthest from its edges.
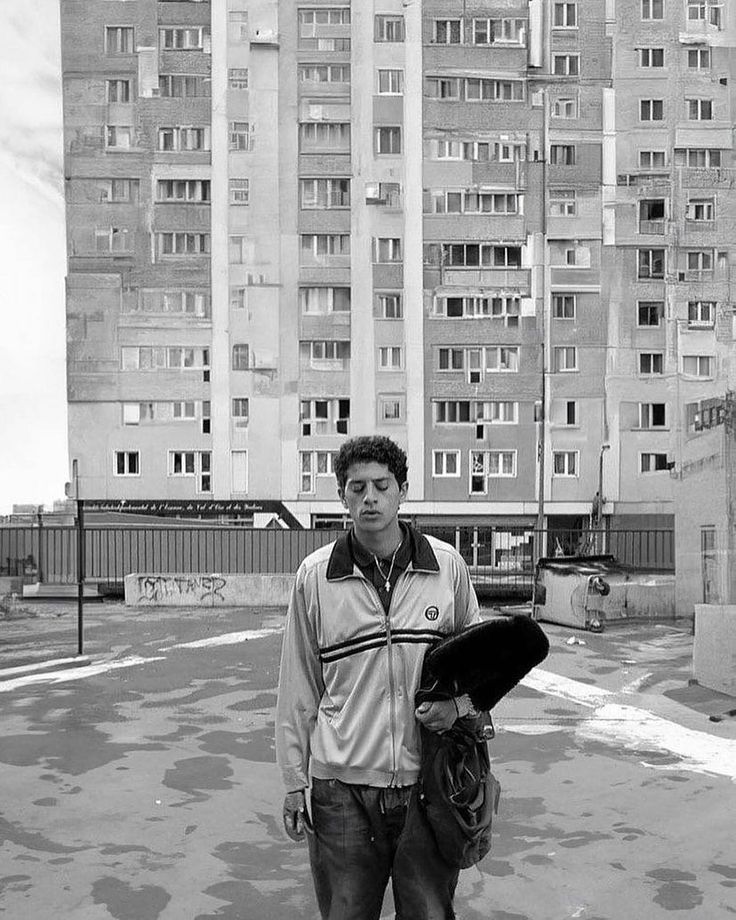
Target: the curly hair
(370, 449)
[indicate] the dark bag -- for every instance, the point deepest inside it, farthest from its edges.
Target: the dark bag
(457, 789)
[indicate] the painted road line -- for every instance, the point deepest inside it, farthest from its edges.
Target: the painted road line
(227, 638)
(636, 728)
(77, 661)
(57, 677)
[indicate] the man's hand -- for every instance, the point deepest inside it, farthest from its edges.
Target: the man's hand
(438, 716)
(295, 815)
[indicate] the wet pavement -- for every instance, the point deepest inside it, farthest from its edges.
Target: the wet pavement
(142, 785)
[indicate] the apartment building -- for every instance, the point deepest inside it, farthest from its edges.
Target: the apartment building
(498, 232)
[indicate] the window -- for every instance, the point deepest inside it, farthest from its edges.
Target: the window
(320, 136)
(116, 191)
(651, 57)
(465, 411)
(329, 354)
(474, 255)
(565, 15)
(323, 247)
(652, 9)
(651, 363)
(700, 209)
(387, 194)
(652, 159)
(706, 414)
(184, 410)
(238, 298)
(113, 240)
(118, 137)
(564, 306)
(390, 82)
(184, 38)
(322, 300)
(652, 415)
(181, 243)
(490, 463)
(183, 86)
(564, 107)
(241, 250)
(238, 26)
(324, 73)
(701, 313)
(565, 358)
(700, 261)
(562, 202)
(651, 215)
(651, 109)
(502, 306)
(238, 77)
(240, 357)
(390, 358)
(447, 31)
(135, 413)
(562, 154)
(390, 408)
(650, 263)
(445, 463)
(314, 463)
(117, 90)
(698, 365)
(443, 87)
(450, 359)
(386, 249)
(482, 201)
(240, 411)
(388, 28)
(699, 109)
(239, 191)
(652, 463)
(183, 190)
(571, 412)
(565, 462)
(194, 463)
(699, 58)
(153, 357)
(119, 40)
(499, 32)
(697, 157)
(387, 140)
(705, 11)
(184, 137)
(241, 136)
(127, 463)
(649, 312)
(498, 358)
(324, 194)
(313, 21)
(566, 65)
(389, 305)
(324, 416)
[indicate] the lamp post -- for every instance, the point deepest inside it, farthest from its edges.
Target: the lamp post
(601, 499)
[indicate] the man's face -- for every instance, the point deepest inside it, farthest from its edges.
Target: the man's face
(372, 496)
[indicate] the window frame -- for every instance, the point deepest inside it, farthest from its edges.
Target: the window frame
(445, 453)
(126, 456)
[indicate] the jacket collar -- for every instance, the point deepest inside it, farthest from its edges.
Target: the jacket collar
(341, 563)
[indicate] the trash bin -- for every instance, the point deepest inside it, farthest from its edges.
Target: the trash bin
(589, 591)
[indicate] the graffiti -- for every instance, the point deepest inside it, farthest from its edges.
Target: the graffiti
(157, 589)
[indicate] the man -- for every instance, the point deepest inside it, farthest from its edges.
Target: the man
(363, 612)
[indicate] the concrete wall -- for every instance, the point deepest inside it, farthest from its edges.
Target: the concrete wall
(207, 590)
(714, 649)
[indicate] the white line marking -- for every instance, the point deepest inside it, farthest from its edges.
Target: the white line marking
(638, 728)
(227, 638)
(41, 665)
(57, 677)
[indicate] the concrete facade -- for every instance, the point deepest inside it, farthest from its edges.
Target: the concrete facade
(500, 233)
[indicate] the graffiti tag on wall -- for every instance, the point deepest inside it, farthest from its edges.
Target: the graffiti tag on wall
(156, 589)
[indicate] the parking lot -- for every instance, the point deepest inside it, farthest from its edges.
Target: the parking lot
(142, 784)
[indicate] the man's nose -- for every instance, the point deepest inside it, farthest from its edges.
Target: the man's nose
(369, 496)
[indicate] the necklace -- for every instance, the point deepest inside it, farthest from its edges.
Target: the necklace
(387, 578)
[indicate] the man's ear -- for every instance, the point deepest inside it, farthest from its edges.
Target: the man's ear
(341, 496)
(403, 489)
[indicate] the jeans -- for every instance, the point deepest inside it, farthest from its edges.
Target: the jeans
(364, 835)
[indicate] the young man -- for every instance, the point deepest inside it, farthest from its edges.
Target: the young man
(363, 612)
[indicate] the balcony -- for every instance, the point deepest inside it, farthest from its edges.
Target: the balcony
(656, 227)
(509, 279)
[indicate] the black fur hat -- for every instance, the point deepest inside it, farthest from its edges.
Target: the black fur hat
(487, 660)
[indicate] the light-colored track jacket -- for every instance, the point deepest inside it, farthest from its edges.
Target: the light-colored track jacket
(349, 671)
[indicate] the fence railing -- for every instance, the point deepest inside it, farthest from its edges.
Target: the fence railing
(497, 556)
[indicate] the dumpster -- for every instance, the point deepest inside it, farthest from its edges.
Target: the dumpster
(590, 591)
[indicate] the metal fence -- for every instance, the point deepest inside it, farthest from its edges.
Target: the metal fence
(499, 557)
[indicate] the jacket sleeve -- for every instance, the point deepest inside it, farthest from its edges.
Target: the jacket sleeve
(467, 612)
(300, 687)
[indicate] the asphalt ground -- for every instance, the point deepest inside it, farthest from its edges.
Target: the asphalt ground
(141, 784)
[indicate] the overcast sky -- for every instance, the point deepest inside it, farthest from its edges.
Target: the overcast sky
(33, 447)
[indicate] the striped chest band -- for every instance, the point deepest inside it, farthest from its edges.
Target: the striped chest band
(373, 640)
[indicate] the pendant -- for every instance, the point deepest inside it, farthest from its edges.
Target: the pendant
(387, 586)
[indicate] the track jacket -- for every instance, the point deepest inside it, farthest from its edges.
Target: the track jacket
(349, 671)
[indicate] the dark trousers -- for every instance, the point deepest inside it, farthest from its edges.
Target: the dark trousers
(361, 837)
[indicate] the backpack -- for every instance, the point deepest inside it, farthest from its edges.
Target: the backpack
(457, 790)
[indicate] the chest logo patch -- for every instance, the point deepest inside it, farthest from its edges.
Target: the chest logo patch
(431, 613)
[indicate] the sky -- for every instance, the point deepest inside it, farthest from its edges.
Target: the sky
(33, 440)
